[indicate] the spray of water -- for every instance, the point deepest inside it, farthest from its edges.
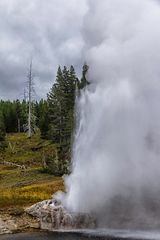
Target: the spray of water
(116, 153)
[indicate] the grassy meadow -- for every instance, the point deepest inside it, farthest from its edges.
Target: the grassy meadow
(24, 186)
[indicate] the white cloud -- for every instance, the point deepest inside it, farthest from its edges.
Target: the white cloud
(49, 31)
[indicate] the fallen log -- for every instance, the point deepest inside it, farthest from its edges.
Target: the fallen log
(23, 167)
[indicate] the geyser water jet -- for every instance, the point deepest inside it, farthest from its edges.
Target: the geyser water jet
(116, 152)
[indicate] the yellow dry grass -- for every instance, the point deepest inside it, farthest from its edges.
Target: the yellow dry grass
(23, 196)
(25, 187)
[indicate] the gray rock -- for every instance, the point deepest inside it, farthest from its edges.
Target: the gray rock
(4, 228)
(52, 215)
(35, 210)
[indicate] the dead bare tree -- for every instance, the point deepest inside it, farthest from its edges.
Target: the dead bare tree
(30, 126)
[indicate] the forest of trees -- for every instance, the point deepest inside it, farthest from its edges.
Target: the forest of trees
(53, 117)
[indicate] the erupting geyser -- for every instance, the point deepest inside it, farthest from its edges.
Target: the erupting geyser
(116, 152)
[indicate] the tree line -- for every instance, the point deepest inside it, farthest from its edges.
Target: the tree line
(54, 116)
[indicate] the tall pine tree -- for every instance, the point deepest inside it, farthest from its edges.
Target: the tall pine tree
(61, 99)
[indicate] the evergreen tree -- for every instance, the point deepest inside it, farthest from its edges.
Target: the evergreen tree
(23, 118)
(2, 132)
(84, 82)
(43, 118)
(61, 99)
(55, 101)
(18, 111)
(9, 113)
(14, 115)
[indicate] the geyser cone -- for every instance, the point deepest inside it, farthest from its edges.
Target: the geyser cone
(116, 153)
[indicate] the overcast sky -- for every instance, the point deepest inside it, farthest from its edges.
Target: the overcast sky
(49, 31)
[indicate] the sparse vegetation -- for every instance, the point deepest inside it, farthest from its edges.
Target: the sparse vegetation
(32, 193)
(27, 151)
(24, 186)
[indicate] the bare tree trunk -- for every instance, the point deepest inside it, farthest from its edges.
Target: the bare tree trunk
(30, 100)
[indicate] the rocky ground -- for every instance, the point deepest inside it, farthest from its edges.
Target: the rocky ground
(12, 222)
(46, 215)
(52, 215)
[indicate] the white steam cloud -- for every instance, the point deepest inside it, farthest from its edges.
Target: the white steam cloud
(117, 143)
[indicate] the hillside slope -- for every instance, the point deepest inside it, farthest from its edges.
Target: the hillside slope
(22, 181)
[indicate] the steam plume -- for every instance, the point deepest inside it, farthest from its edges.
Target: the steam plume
(117, 144)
